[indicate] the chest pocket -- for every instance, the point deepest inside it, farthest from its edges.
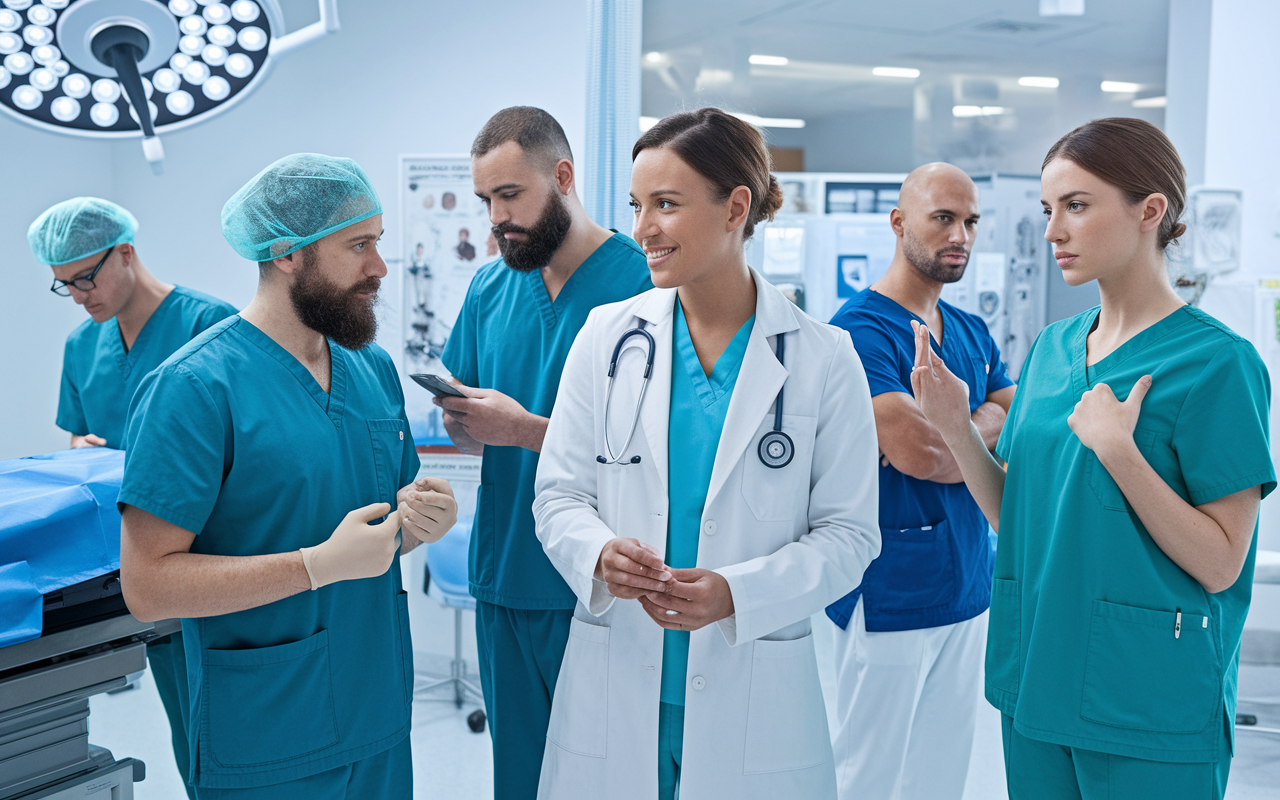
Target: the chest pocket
(779, 494)
(387, 437)
(1103, 485)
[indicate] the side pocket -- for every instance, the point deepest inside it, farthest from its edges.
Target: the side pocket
(1138, 676)
(406, 644)
(580, 707)
(916, 568)
(786, 719)
(1004, 636)
(269, 704)
(387, 436)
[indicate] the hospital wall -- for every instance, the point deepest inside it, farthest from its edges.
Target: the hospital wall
(399, 78)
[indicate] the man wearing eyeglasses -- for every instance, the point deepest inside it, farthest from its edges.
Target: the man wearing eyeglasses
(137, 321)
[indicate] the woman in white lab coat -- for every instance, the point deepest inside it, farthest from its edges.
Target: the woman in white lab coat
(702, 529)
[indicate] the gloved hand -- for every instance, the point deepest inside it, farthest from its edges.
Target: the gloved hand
(427, 509)
(356, 549)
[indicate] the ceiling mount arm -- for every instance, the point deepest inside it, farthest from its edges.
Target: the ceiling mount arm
(121, 47)
(302, 37)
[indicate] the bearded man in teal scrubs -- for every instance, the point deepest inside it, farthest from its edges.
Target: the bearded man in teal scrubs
(136, 322)
(257, 455)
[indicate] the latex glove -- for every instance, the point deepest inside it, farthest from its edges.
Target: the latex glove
(427, 509)
(356, 549)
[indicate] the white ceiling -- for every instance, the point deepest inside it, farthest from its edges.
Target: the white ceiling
(980, 46)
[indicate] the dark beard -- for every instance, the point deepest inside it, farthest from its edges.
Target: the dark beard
(931, 266)
(330, 310)
(545, 237)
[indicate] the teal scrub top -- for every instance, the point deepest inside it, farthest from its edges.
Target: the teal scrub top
(234, 440)
(699, 404)
(1085, 648)
(511, 337)
(99, 376)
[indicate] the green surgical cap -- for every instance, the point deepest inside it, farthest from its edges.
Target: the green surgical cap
(298, 200)
(78, 228)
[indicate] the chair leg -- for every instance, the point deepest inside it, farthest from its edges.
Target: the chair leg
(459, 666)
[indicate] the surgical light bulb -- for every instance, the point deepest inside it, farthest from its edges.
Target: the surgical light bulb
(17, 5)
(106, 90)
(133, 112)
(60, 68)
(59, 4)
(217, 14)
(183, 8)
(239, 65)
(10, 20)
(179, 62)
(193, 26)
(65, 109)
(180, 103)
(45, 54)
(252, 38)
(76, 86)
(104, 115)
(222, 35)
(36, 35)
(216, 88)
(196, 73)
(27, 98)
(204, 2)
(213, 55)
(245, 11)
(41, 15)
(147, 88)
(166, 80)
(10, 43)
(44, 79)
(191, 45)
(4, 77)
(19, 63)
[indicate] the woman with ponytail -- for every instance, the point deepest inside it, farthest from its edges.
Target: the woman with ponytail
(707, 483)
(1137, 454)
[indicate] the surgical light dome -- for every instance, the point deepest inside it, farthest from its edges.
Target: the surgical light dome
(129, 68)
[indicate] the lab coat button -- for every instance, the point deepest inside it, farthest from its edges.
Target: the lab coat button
(699, 682)
(710, 527)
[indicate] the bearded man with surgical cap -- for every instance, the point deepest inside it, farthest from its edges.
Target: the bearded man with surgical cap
(135, 322)
(269, 491)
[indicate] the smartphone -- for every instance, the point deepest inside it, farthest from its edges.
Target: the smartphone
(436, 385)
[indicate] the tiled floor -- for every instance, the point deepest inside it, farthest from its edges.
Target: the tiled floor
(452, 762)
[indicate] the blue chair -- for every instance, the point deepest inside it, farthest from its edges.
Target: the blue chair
(446, 583)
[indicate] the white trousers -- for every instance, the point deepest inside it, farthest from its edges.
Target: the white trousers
(906, 709)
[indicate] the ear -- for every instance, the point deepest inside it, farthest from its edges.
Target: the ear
(897, 221)
(289, 264)
(739, 208)
(1153, 210)
(564, 176)
(126, 252)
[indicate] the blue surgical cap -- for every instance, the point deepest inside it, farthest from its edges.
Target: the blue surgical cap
(298, 200)
(78, 228)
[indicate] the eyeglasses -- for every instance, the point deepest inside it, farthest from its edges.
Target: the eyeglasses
(85, 284)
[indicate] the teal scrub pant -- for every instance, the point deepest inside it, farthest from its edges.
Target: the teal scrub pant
(520, 653)
(168, 661)
(386, 776)
(670, 750)
(1038, 770)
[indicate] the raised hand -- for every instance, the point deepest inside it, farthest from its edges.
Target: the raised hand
(942, 397)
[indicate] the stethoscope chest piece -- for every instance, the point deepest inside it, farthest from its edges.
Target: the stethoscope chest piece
(776, 449)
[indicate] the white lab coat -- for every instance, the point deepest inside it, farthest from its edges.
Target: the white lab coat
(789, 541)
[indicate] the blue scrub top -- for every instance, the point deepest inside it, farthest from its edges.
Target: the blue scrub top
(1084, 647)
(699, 404)
(935, 563)
(234, 440)
(511, 337)
(99, 376)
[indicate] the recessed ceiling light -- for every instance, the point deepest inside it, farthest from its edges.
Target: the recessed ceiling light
(1039, 83)
(769, 122)
(769, 61)
(978, 111)
(896, 72)
(1120, 86)
(1151, 102)
(653, 58)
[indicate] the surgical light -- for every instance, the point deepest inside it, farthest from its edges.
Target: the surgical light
(78, 66)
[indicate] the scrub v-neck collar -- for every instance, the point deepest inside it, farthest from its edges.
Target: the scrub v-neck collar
(711, 388)
(939, 346)
(548, 308)
(331, 404)
(126, 356)
(1085, 376)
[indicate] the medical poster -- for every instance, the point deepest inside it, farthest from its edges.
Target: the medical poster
(446, 239)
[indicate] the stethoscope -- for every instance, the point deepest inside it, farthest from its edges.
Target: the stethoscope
(775, 450)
